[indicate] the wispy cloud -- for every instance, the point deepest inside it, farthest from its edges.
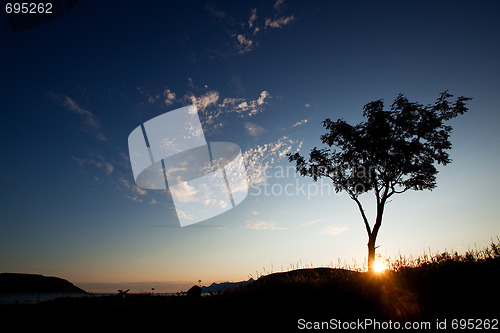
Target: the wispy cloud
(263, 225)
(335, 230)
(254, 129)
(212, 111)
(90, 122)
(246, 37)
(212, 107)
(88, 117)
(279, 22)
(134, 188)
(300, 122)
(166, 97)
(311, 222)
(278, 4)
(99, 163)
(106, 158)
(259, 158)
(215, 12)
(244, 106)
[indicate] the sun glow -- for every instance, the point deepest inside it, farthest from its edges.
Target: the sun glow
(380, 267)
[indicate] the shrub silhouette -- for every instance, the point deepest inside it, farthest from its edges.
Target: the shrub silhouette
(194, 291)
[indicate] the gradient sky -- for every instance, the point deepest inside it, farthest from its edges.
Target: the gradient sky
(268, 73)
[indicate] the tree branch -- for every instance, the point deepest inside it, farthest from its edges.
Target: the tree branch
(377, 190)
(365, 220)
(393, 190)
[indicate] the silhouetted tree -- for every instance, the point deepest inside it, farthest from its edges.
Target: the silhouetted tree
(391, 152)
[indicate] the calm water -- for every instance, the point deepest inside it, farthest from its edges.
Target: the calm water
(36, 298)
(43, 297)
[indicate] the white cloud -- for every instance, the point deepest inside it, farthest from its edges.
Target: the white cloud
(300, 122)
(308, 105)
(182, 214)
(279, 22)
(209, 105)
(263, 95)
(204, 101)
(253, 17)
(214, 202)
(169, 97)
(245, 45)
(245, 107)
(242, 42)
(254, 129)
(255, 212)
(335, 230)
(212, 113)
(174, 169)
(261, 157)
(263, 225)
(186, 193)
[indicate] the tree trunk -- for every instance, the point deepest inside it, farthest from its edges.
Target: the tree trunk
(372, 237)
(371, 252)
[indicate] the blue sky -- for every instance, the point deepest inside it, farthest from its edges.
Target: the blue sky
(267, 73)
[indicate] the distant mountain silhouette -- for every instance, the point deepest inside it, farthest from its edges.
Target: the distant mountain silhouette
(216, 287)
(35, 283)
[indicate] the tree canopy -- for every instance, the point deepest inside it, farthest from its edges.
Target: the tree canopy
(391, 152)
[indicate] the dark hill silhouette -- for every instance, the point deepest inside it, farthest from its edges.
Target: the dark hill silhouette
(218, 287)
(35, 283)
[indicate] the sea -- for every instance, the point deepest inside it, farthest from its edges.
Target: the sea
(36, 298)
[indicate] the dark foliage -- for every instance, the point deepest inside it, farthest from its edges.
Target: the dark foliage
(391, 152)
